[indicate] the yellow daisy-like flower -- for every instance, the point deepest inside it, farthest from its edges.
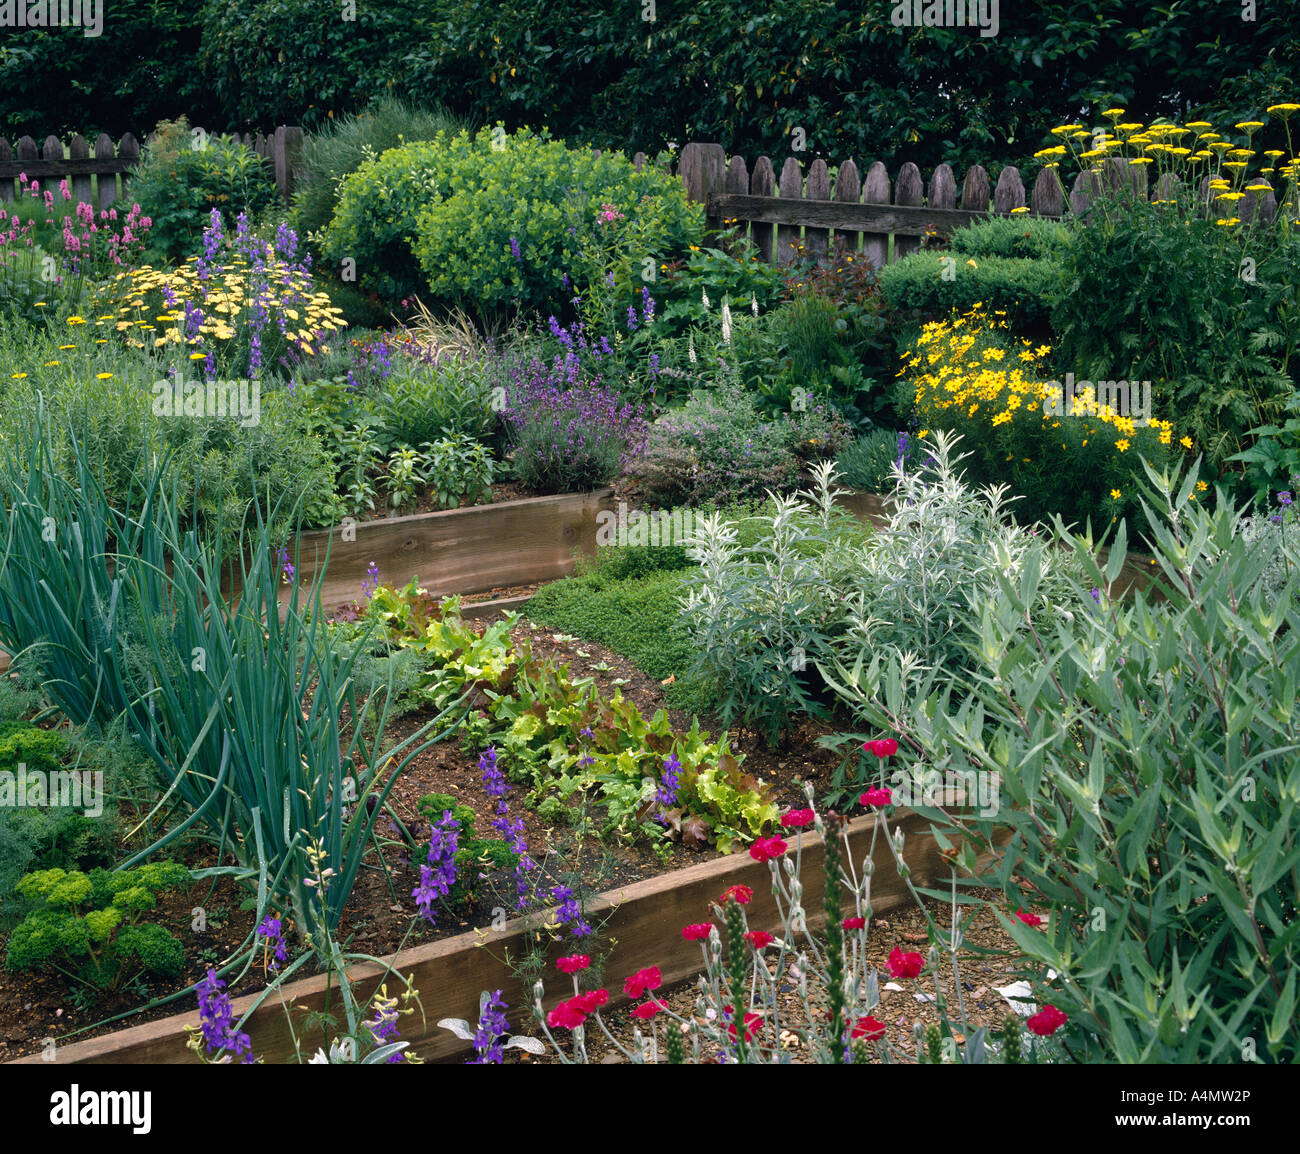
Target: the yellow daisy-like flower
(1229, 222)
(76, 320)
(1014, 211)
(1115, 494)
(1186, 442)
(198, 356)
(1122, 446)
(19, 376)
(1202, 486)
(103, 376)
(50, 364)
(65, 348)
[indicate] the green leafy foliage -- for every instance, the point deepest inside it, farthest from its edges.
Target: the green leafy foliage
(343, 144)
(934, 283)
(718, 448)
(758, 615)
(91, 926)
(1218, 347)
(1145, 754)
(183, 177)
(533, 190)
(534, 713)
(868, 462)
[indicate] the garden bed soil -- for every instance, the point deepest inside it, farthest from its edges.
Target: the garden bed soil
(983, 967)
(34, 1007)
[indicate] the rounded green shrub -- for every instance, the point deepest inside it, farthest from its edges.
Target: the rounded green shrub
(543, 196)
(375, 221)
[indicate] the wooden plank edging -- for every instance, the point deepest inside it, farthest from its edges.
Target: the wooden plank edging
(645, 920)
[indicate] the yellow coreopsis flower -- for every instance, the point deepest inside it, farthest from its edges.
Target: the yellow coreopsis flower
(1115, 494)
(1122, 446)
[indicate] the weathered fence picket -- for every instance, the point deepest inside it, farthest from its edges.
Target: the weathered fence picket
(78, 164)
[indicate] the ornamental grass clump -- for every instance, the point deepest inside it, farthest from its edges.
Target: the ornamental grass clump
(240, 706)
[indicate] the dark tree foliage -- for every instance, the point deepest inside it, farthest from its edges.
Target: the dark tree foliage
(598, 71)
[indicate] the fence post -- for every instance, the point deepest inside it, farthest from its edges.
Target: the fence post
(848, 189)
(907, 192)
(6, 183)
(737, 182)
(1048, 198)
(787, 235)
(817, 240)
(79, 149)
(1010, 192)
(288, 147)
(975, 189)
(1086, 186)
(875, 247)
(128, 149)
(703, 173)
(763, 183)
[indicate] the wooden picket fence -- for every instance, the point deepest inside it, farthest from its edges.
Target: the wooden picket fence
(863, 215)
(78, 163)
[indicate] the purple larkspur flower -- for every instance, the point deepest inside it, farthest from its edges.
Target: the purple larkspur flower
(439, 875)
(493, 1025)
(370, 582)
(216, 1020)
(271, 931)
(570, 912)
(666, 794)
(514, 251)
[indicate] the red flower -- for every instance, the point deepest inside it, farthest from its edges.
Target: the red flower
(877, 797)
(1047, 1021)
(1031, 920)
(752, 1023)
(648, 1009)
(641, 981)
(590, 1001)
(698, 932)
(854, 923)
(798, 818)
(743, 895)
(572, 964)
(568, 1015)
(885, 747)
(868, 1028)
(766, 848)
(903, 965)
(759, 939)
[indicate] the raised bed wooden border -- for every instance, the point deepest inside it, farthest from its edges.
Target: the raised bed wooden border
(645, 919)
